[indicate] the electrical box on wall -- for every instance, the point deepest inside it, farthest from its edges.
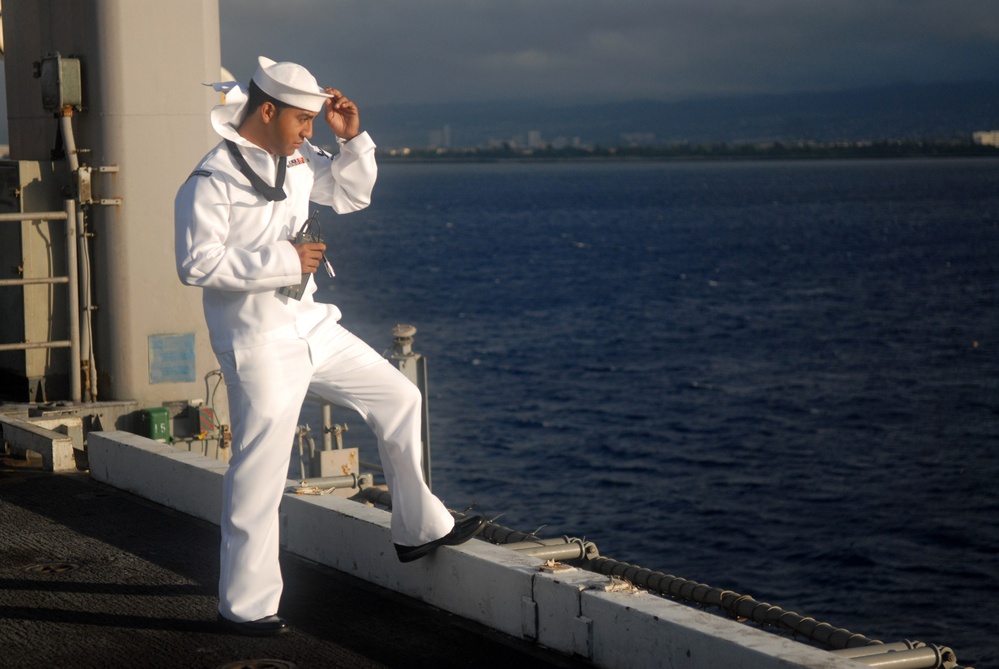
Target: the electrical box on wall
(61, 82)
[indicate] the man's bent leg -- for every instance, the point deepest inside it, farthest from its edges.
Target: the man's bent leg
(266, 387)
(351, 374)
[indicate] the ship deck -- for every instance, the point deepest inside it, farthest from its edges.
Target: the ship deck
(91, 576)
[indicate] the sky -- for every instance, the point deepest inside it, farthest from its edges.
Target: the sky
(382, 52)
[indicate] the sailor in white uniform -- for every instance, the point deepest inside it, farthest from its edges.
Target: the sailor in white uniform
(236, 217)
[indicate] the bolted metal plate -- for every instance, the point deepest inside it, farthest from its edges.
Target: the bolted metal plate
(260, 664)
(51, 568)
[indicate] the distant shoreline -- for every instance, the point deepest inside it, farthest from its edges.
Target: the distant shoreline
(714, 152)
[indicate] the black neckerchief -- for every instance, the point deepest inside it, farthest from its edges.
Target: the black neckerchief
(270, 193)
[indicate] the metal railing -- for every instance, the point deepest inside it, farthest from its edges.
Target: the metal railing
(71, 279)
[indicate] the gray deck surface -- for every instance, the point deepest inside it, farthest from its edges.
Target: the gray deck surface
(91, 576)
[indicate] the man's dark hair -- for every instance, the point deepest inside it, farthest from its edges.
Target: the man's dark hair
(256, 98)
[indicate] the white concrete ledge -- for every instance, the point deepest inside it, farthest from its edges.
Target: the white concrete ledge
(572, 611)
(44, 436)
(181, 480)
(669, 634)
(355, 539)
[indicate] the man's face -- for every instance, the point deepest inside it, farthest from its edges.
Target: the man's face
(288, 129)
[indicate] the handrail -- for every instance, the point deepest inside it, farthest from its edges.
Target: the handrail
(34, 282)
(26, 346)
(17, 217)
(71, 279)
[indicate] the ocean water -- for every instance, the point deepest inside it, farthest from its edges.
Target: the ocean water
(779, 378)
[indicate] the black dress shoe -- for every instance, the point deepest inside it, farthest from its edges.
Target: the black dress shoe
(269, 626)
(464, 530)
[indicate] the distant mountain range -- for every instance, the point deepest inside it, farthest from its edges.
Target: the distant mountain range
(908, 111)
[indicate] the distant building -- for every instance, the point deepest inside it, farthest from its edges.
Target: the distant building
(534, 139)
(439, 139)
(986, 137)
(567, 142)
(634, 139)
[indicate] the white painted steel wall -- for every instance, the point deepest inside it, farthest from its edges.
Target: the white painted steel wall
(571, 611)
(143, 64)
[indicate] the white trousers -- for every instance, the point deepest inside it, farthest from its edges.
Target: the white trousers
(267, 385)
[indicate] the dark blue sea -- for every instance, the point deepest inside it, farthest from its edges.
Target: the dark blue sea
(780, 378)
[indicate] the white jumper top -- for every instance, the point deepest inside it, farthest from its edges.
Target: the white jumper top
(232, 242)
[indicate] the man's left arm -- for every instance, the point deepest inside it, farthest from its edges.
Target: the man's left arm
(346, 183)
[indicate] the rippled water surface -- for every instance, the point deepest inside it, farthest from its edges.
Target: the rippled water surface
(779, 378)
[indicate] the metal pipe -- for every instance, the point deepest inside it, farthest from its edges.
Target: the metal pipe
(421, 367)
(927, 657)
(563, 552)
(875, 649)
(375, 467)
(327, 425)
(86, 312)
(35, 281)
(82, 265)
(25, 346)
(562, 549)
(313, 464)
(33, 216)
(346, 481)
(301, 452)
(379, 496)
(75, 390)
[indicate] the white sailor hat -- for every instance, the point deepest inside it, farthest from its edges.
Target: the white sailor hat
(290, 83)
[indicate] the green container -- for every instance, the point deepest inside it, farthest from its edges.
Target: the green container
(156, 424)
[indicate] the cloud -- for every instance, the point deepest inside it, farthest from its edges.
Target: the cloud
(394, 51)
